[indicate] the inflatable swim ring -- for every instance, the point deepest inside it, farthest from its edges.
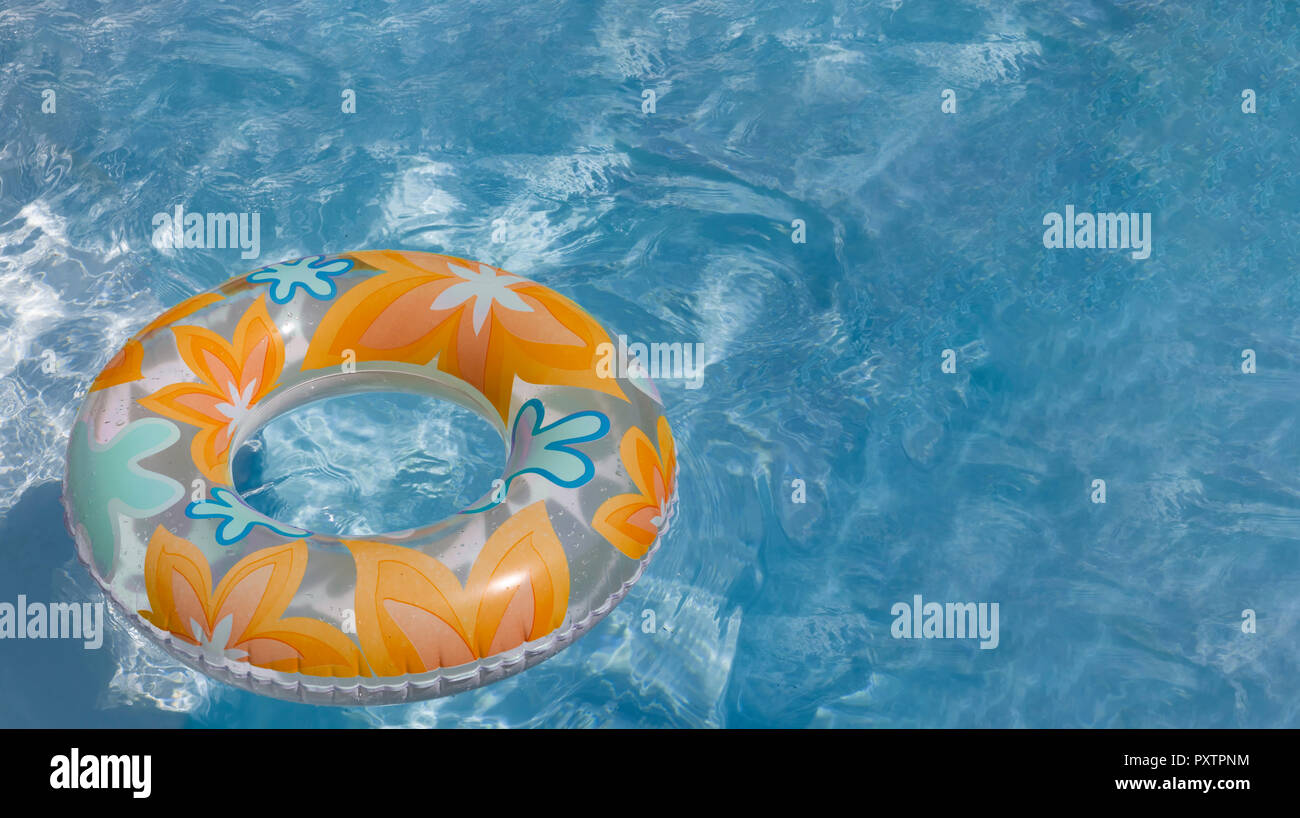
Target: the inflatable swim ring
(588, 486)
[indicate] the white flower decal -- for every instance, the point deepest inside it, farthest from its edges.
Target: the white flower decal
(240, 402)
(484, 287)
(215, 648)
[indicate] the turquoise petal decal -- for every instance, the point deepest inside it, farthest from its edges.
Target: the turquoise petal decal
(312, 274)
(536, 448)
(237, 519)
(110, 482)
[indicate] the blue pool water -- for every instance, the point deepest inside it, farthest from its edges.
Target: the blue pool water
(515, 133)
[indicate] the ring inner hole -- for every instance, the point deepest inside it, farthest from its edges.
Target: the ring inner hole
(375, 462)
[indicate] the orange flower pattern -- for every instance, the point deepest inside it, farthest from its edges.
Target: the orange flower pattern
(125, 365)
(241, 620)
(413, 615)
(233, 376)
(631, 521)
(481, 324)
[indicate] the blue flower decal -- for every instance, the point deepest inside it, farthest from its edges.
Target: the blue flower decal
(313, 274)
(536, 448)
(237, 519)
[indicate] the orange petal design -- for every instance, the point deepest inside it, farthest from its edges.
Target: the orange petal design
(123, 368)
(182, 310)
(125, 365)
(253, 596)
(413, 615)
(625, 520)
(390, 317)
(233, 376)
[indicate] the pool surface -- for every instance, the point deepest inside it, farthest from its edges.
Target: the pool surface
(780, 183)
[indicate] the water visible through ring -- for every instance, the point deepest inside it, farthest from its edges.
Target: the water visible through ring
(368, 463)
